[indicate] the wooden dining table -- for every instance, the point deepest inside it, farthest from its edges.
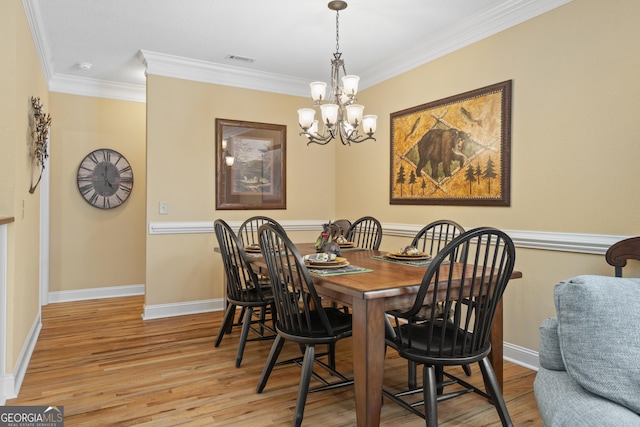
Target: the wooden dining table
(389, 285)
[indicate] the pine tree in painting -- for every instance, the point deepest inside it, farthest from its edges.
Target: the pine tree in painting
(401, 178)
(478, 172)
(412, 180)
(489, 173)
(470, 177)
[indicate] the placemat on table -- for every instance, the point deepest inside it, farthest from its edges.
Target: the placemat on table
(347, 269)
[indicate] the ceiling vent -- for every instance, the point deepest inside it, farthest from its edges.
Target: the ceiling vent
(240, 58)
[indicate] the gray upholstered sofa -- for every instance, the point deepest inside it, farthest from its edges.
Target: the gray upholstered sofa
(590, 354)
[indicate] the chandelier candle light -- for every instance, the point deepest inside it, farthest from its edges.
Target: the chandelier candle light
(342, 116)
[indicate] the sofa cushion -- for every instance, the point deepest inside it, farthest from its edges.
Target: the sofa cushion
(562, 402)
(550, 355)
(598, 318)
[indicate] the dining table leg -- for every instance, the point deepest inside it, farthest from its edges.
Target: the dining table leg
(496, 339)
(368, 359)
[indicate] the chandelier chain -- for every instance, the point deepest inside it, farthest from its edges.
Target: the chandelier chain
(337, 31)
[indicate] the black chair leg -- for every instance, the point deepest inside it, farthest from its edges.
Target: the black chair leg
(305, 380)
(412, 368)
(491, 382)
(240, 316)
(246, 323)
(467, 370)
(430, 395)
(226, 322)
(271, 361)
(332, 355)
(274, 316)
(439, 380)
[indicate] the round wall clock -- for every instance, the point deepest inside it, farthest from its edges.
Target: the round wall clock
(105, 178)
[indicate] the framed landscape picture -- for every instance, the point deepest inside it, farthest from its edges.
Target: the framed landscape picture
(250, 165)
(454, 151)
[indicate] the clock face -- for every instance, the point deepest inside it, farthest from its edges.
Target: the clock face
(105, 178)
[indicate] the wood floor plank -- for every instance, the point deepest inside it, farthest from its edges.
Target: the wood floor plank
(108, 367)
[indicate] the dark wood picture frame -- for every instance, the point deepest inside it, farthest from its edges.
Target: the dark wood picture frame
(462, 146)
(256, 179)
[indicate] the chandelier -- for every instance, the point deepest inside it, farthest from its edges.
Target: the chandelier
(341, 116)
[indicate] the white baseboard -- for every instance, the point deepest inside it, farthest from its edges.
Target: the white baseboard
(182, 308)
(521, 356)
(96, 293)
(12, 382)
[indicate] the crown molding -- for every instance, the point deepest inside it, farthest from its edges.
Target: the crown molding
(34, 19)
(226, 75)
(97, 88)
(465, 33)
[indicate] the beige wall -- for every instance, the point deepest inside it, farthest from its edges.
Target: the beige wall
(574, 143)
(181, 171)
(8, 112)
(91, 247)
(21, 79)
(575, 91)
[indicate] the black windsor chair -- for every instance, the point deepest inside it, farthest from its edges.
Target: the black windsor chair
(243, 290)
(248, 230)
(487, 258)
(301, 316)
(365, 233)
(435, 236)
(248, 234)
(431, 239)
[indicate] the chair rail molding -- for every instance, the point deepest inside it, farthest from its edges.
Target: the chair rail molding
(596, 244)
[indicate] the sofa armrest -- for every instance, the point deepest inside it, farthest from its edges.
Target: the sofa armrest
(549, 354)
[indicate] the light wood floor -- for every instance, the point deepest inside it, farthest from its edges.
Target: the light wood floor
(108, 367)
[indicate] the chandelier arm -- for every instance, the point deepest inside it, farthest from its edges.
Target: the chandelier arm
(315, 140)
(362, 138)
(348, 137)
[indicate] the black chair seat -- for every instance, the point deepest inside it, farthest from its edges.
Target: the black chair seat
(253, 297)
(445, 340)
(316, 332)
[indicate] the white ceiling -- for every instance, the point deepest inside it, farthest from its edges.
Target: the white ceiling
(291, 41)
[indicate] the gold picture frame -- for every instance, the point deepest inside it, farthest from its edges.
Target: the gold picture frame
(454, 151)
(250, 165)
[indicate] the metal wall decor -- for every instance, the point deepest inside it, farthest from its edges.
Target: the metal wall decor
(41, 124)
